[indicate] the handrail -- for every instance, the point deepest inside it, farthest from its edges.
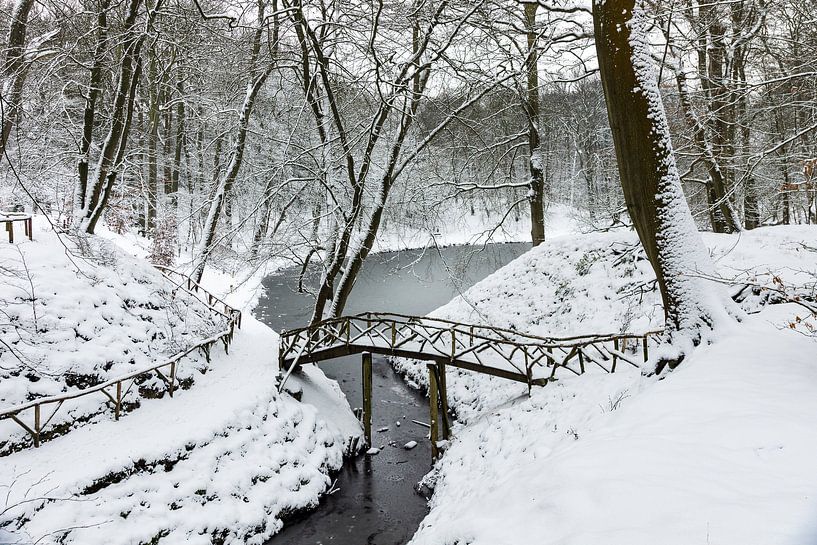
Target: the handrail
(233, 317)
(539, 339)
(491, 350)
(193, 288)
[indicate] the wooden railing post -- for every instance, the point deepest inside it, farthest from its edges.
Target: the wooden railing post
(118, 406)
(367, 397)
(615, 356)
(172, 385)
(646, 348)
(36, 425)
(432, 406)
(443, 400)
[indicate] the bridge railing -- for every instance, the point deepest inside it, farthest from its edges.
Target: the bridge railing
(35, 416)
(492, 350)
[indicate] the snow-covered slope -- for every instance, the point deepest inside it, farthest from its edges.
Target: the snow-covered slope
(78, 312)
(719, 451)
(221, 462)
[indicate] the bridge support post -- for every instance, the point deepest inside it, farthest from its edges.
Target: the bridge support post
(432, 406)
(367, 397)
(443, 400)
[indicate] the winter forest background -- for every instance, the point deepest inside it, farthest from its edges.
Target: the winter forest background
(206, 179)
(233, 132)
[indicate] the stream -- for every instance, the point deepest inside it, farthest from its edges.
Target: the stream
(377, 501)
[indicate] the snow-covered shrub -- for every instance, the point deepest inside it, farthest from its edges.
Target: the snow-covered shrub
(118, 216)
(165, 241)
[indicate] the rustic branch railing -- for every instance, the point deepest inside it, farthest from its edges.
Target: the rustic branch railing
(494, 351)
(114, 391)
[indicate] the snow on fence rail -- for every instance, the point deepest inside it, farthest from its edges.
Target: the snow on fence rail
(117, 388)
(485, 349)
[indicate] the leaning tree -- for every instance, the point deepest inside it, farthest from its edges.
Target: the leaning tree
(694, 306)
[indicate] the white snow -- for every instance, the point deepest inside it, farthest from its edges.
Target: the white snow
(77, 312)
(225, 459)
(720, 450)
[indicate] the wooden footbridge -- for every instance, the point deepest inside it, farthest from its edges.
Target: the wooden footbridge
(499, 352)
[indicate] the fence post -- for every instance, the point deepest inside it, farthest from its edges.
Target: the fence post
(172, 378)
(646, 348)
(367, 397)
(443, 400)
(432, 406)
(36, 425)
(615, 357)
(118, 407)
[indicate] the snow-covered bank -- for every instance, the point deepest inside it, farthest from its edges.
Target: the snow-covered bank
(78, 312)
(224, 460)
(221, 462)
(720, 451)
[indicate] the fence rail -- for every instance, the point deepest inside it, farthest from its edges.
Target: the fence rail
(485, 349)
(34, 416)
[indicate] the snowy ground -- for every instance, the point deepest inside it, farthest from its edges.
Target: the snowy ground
(720, 451)
(78, 312)
(225, 459)
(221, 462)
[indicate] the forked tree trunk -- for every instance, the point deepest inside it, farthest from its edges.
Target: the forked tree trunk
(89, 113)
(115, 142)
(693, 306)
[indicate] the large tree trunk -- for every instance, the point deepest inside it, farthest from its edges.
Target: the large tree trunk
(693, 305)
(533, 111)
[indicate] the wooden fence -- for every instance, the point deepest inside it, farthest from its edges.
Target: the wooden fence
(35, 416)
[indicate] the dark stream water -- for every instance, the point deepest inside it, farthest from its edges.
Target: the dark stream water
(378, 502)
